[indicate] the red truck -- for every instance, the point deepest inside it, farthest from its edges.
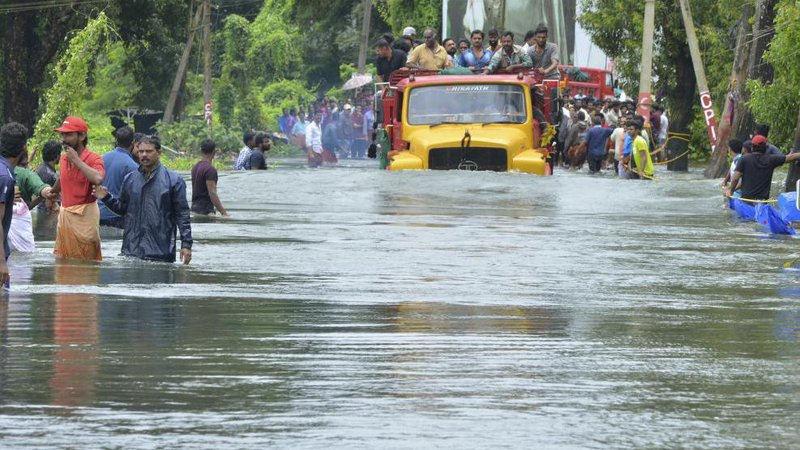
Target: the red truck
(597, 83)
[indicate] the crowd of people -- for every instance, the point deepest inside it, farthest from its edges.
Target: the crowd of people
(609, 133)
(127, 188)
(474, 55)
(328, 130)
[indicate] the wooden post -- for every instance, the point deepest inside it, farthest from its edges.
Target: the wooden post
(718, 163)
(700, 74)
(646, 75)
(182, 66)
(362, 52)
(207, 50)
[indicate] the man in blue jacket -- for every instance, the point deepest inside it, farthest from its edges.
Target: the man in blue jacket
(152, 202)
(118, 163)
(596, 139)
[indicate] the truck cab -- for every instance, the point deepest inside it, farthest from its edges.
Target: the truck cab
(468, 122)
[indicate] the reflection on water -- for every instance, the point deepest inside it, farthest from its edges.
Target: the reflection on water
(351, 307)
(75, 336)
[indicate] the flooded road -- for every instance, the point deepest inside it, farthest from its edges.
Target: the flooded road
(349, 307)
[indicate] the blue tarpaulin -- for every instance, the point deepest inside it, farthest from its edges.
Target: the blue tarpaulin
(772, 222)
(744, 210)
(767, 216)
(787, 204)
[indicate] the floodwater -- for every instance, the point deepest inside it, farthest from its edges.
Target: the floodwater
(350, 307)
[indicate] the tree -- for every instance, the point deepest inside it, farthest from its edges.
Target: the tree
(154, 32)
(616, 27)
(420, 14)
(273, 53)
(775, 101)
(70, 89)
(333, 36)
(31, 39)
(758, 69)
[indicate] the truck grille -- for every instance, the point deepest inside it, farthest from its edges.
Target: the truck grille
(474, 158)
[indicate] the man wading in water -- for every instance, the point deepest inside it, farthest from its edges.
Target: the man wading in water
(13, 143)
(152, 202)
(755, 170)
(78, 231)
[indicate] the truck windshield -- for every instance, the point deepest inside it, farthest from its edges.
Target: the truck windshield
(466, 103)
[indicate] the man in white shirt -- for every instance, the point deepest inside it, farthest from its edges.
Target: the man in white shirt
(243, 160)
(613, 114)
(618, 146)
(664, 129)
(314, 142)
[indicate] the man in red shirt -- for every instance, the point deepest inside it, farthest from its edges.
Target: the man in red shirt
(78, 231)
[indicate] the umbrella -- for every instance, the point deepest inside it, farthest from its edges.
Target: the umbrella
(357, 80)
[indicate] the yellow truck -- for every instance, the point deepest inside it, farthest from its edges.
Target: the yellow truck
(469, 122)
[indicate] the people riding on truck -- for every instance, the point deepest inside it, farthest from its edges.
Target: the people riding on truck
(430, 56)
(544, 55)
(476, 57)
(510, 56)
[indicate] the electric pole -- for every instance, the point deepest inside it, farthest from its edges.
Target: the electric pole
(207, 50)
(700, 73)
(718, 162)
(362, 52)
(646, 75)
(182, 66)
(208, 104)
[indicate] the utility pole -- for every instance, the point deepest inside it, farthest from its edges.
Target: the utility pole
(718, 163)
(646, 75)
(182, 66)
(700, 73)
(208, 106)
(362, 52)
(207, 50)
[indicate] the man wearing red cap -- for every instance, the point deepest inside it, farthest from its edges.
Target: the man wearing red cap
(755, 170)
(78, 232)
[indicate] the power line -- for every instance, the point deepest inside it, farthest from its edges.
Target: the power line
(40, 5)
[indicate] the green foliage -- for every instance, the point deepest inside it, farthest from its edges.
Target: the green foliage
(348, 70)
(186, 136)
(236, 36)
(194, 103)
(616, 26)
(154, 33)
(185, 163)
(776, 103)
(249, 115)
(274, 52)
(113, 87)
(419, 14)
(226, 102)
(332, 34)
(284, 94)
(70, 89)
